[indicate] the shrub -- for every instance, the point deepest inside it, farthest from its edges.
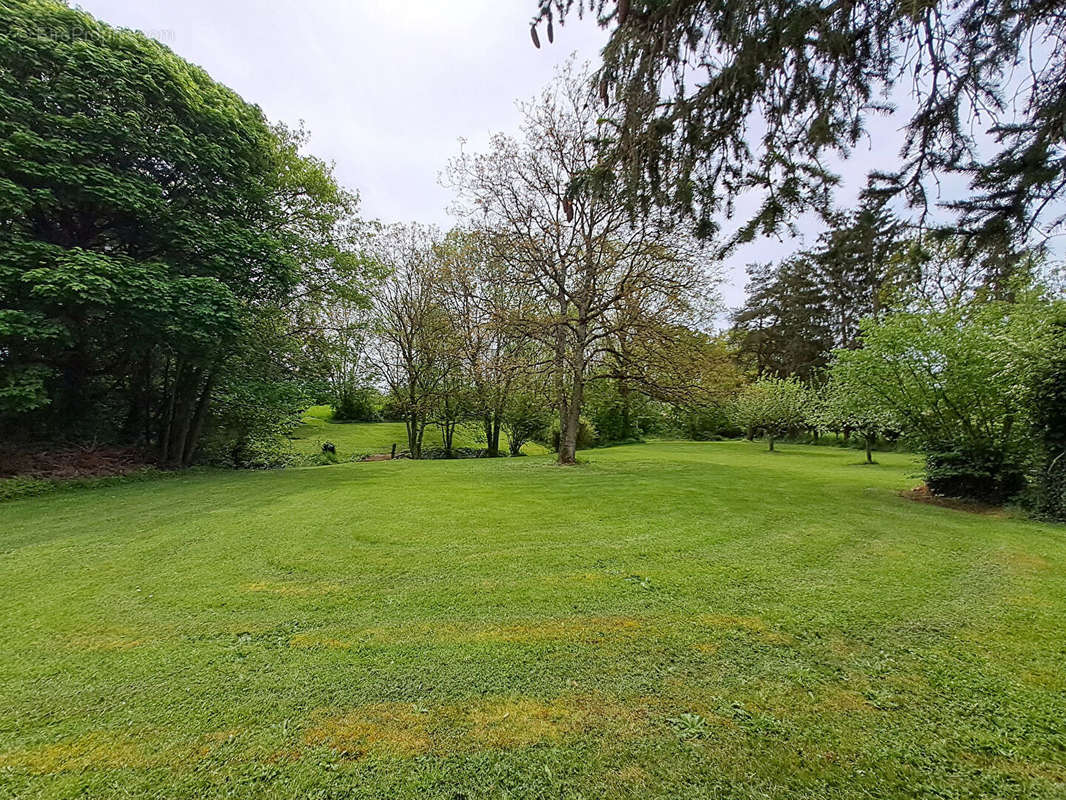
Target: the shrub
(959, 383)
(259, 451)
(455, 452)
(708, 424)
(1049, 431)
(357, 405)
(984, 474)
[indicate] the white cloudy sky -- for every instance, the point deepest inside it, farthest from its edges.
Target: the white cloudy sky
(388, 87)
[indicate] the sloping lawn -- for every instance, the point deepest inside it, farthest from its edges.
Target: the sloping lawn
(363, 438)
(664, 620)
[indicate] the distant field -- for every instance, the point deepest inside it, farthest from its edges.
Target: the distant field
(674, 620)
(360, 438)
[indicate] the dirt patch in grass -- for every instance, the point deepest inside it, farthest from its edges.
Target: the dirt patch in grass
(575, 629)
(630, 777)
(1022, 562)
(921, 494)
(502, 723)
(841, 700)
(569, 629)
(753, 625)
(389, 728)
(1018, 769)
(47, 461)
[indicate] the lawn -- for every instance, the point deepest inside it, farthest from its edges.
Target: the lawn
(362, 438)
(665, 620)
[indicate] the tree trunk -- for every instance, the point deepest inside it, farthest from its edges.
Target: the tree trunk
(869, 451)
(771, 438)
(167, 427)
(417, 453)
(193, 438)
(494, 437)
(491, 423)
(568, 440)
(413, 438)
(627, 423)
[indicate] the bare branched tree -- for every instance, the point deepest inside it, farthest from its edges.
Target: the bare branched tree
(595, 273)
(482, 306)
(412, 352)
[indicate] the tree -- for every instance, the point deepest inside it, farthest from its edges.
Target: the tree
(959, 380)
(773, 406)
(846, 408)
(1049, 426)
(413, 351)
(527, 414)
(483, 307)
(855, 269)
(783, 329)
(154, 226)
(595, 275)
(721, 98)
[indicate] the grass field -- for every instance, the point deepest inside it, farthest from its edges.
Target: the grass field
(361, 438)
(664, 620)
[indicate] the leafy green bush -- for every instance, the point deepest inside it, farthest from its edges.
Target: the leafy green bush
(706, 424)
(358, 405)
(960, 382)
(254, 451)
(1048, 494)
(982, 474)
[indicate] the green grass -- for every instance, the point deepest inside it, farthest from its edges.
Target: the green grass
(664, 620)
(362, 438)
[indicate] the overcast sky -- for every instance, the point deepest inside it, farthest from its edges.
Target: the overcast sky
(388, 87)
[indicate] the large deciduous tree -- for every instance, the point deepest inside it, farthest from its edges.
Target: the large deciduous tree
(150, 220)
(597, 277)
(154, 229)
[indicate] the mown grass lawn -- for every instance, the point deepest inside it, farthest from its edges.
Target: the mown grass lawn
(665, 620)
(362, 438)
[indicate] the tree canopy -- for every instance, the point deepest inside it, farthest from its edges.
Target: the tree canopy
(158, 237)
(721, 98)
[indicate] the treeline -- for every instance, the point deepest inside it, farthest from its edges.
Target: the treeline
(164, 250)
(456, 336)
(551, 289)
(957, 352)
